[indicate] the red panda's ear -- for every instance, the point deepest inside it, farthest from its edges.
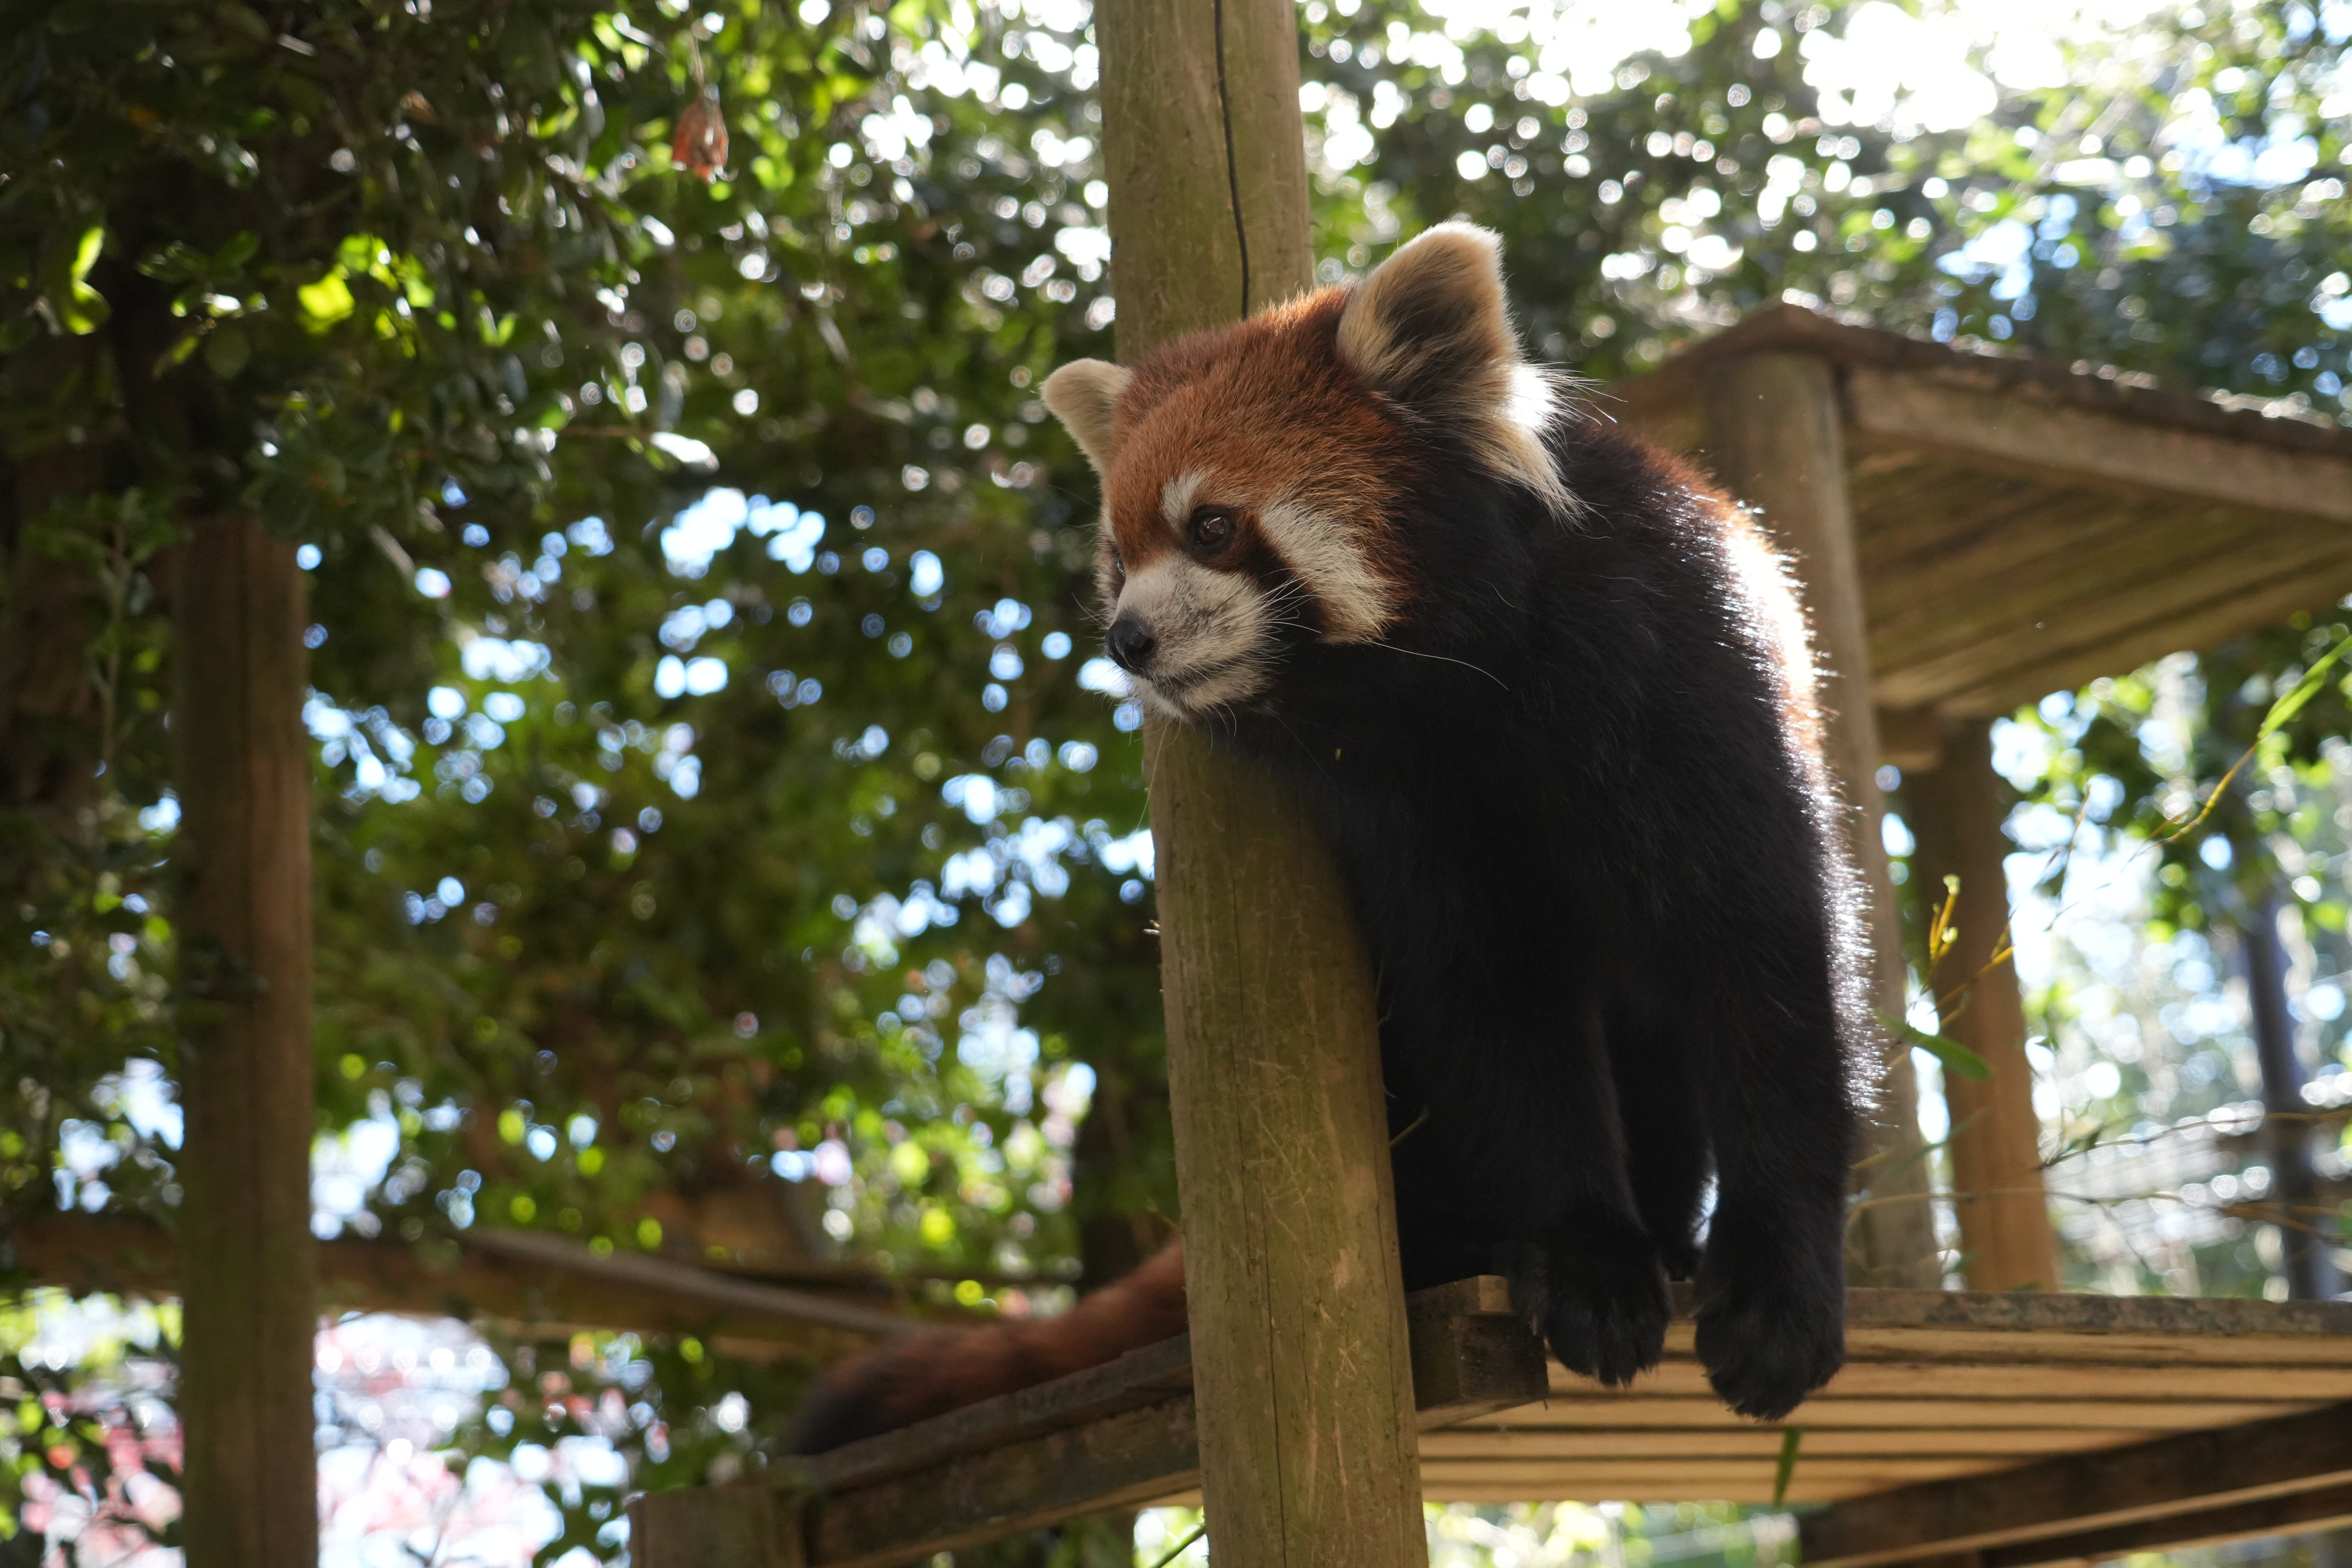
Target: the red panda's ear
(1431, 329)
(1083, 395)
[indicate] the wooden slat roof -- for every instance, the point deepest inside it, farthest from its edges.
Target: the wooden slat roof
(2024, 527)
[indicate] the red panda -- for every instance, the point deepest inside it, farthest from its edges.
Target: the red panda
(1552, 698)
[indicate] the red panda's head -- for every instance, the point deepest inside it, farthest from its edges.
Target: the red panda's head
(1251, 476)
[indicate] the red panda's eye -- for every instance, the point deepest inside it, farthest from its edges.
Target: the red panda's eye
(1213, 528)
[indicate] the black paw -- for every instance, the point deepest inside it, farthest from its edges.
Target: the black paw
(1768, 1341)
(1597, 1298)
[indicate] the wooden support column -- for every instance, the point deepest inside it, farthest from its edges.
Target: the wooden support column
(1956, 811)
(1774, 438)
(1301, 1360)
(249, 1264)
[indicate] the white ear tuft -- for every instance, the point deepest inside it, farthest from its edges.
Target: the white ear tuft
(1431, 329)
(1083, 395)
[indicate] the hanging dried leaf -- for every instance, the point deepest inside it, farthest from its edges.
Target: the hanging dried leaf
(701, 140)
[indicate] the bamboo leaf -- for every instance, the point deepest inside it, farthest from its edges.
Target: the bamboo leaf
(1956, 1057)
(1791, 1441)
(2288, 706)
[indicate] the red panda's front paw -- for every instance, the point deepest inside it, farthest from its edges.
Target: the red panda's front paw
(1598, 1298)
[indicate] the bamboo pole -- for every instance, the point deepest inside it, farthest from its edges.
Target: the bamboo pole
(1301, 1364)
(1956, 811)
(1775, 438)
(248, 1260)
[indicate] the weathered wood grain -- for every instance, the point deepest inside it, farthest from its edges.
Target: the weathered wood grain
(2328, 1507)
(2309, 584)
(1114, 1462)
(249, 1274)
(2069, 442)
(1956, 812)
(2172, 1475)
(747, 1524)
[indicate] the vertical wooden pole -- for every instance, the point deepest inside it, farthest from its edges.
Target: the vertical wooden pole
(1776, 439)
(1956, 811)
(248, 1265)
(1300, 1359)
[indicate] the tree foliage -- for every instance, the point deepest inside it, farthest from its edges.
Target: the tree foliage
(713, 791)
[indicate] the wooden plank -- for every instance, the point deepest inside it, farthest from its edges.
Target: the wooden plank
(2121, 1383)
(1146, 1376)
(1120, 1461)
(2050, 1311)
(2328, 1507)
(2113, 628)
(1111, 1437)
(530, 1281)
(2067, 1495)
(2070, 444)
(1998, 551)
(2111, 582)
(2004, 1442)
(747, 1524)
(1597, 1480)
(1693, 1412)
(1984, 693)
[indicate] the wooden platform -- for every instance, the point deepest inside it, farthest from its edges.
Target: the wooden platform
(2022, 1427)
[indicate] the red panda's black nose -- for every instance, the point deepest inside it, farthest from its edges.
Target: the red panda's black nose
(1130, 643)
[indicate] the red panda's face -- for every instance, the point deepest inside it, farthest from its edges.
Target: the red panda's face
(1250, 477)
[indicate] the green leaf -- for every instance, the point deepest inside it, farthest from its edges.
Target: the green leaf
(228, 350)
(80, 307)
(2288, 706)
(327, 301)
(1956, 1057)
(1791, 1441)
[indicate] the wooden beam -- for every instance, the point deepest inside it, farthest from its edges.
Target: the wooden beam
(1955, 812)
(2328, 1507)
(1774, 436)
(2178, 1475)
(534, 1284)
(1291, 1269)
(1911, 739)
(246, 1073)
(2066, 443)
(1118, 1435)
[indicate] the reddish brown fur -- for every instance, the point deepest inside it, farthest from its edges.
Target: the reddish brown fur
(1268, 406)
(940, 1370)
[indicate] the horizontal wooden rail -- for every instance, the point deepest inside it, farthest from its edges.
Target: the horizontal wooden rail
(2192, 1473)
(2329, 1508)
(1113, 1437)
(533, 1280)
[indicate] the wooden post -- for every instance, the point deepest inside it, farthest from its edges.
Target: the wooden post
(1776, 439)
(1956, 811)
(1301, 1359)
(249, 1264)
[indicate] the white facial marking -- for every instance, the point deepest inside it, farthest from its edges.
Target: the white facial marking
(1329, 561)
(1176, 497)
(1214, 631)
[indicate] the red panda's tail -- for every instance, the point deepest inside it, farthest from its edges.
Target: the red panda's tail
(940, 1370)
